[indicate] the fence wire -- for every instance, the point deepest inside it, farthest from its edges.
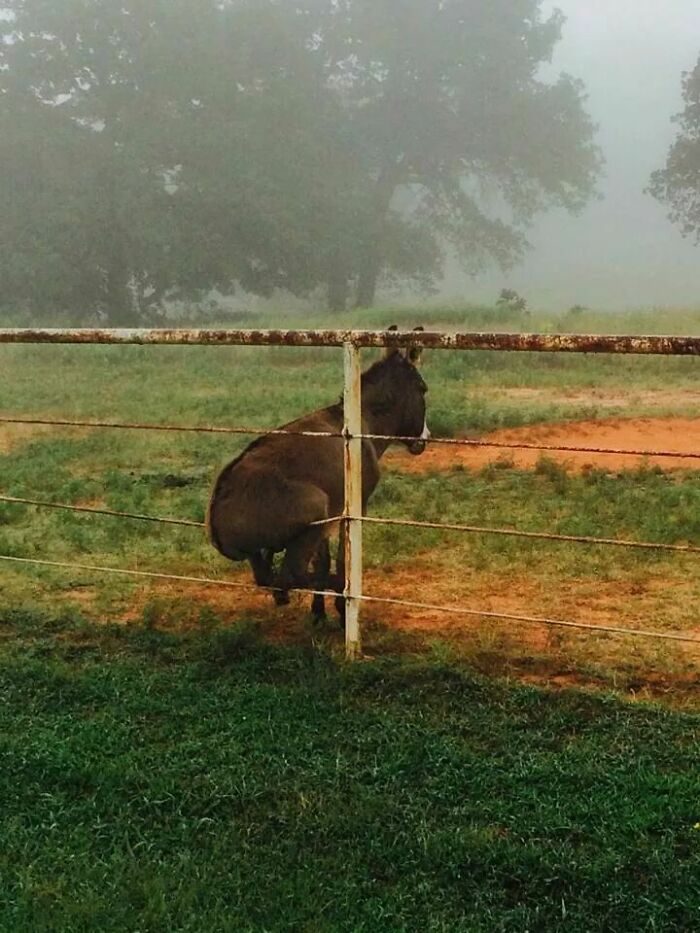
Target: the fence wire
(406, 604)
(536, 535)
(402, 523)
(502, 342)
(261, 432)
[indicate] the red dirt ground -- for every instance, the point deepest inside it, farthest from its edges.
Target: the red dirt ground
(529, 653)
(680, 435)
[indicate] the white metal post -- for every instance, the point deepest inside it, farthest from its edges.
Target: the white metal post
(352, 526)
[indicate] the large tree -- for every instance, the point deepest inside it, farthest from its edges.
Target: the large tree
(678, 184)
(150, 153)
(155, 151)
(447, 100)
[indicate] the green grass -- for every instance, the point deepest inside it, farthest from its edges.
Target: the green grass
(180, 774)
(645, 505)
(170, 474)
(207, 782)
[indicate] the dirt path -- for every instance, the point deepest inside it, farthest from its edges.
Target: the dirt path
(680, 435)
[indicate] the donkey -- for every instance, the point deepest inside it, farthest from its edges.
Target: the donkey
(267, 500)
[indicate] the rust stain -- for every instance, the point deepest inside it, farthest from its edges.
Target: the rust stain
(540, 343)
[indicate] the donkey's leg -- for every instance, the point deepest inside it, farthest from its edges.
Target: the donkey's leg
(300, 552)
(339, 578)
(306, 505)
(261, 564)
(321, 575)
(264, 574)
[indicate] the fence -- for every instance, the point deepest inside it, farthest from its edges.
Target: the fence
(352, 519)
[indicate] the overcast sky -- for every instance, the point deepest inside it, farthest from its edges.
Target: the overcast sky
(622, 252)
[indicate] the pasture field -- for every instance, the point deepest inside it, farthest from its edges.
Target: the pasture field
(169, 474)
(182, 757)
(208, 781)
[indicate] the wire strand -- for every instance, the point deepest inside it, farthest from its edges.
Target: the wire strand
(95, 511)
(535, 620)
(161, 520)
(152, 575)
(554, 448)
(261, 432)
(536, 535)
(403, 523)
(186, 429)
(407, 604)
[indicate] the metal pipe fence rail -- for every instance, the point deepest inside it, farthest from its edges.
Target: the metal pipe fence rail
(352, 519)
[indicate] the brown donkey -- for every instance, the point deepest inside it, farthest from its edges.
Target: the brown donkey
(266, 501)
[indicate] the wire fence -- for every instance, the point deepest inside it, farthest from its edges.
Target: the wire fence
(443, 441)
(373, 520)
(380, 600)
(352, 520)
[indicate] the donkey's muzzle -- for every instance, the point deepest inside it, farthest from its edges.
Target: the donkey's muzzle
(417, 447)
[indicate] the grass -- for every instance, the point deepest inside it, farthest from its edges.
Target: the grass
(205, 781)
(177, 771)
(170, 474)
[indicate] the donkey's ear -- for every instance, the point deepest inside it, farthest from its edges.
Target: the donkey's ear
(390, 351)
(415, 354)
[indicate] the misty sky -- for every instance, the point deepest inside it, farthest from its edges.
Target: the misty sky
(622, 252)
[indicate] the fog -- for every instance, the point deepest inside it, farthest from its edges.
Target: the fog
(290, 193)
(622, 251)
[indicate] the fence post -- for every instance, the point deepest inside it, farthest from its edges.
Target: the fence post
(352, 526)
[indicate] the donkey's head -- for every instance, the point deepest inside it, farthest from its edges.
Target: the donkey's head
(393, 393)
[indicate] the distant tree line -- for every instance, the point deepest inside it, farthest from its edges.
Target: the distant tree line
(154, 150)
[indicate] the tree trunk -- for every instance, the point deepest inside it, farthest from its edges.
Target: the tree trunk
(374, 260)
(338, 284)
(369, 276)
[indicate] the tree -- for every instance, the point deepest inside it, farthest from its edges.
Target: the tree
(265, 144)
(678, 184)
(447, 100)
(152, 180)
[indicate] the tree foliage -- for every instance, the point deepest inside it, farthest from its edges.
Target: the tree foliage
(150, 153)
(447, 99)
(678, 184)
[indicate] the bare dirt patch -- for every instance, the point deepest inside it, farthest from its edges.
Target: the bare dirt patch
(681, 435)
(13, 436)
(532, 652)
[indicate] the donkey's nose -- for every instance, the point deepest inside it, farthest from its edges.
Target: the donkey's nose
(418, 446)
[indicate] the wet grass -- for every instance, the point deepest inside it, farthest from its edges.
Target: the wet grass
(210, 782)
(170, 474)
(179, 773)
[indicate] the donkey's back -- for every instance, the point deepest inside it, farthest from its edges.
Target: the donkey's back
(278, 487)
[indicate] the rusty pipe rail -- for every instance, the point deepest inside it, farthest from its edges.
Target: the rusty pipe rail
(644, 345)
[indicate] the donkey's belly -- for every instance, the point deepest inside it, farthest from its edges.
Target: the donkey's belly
(266, 514)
